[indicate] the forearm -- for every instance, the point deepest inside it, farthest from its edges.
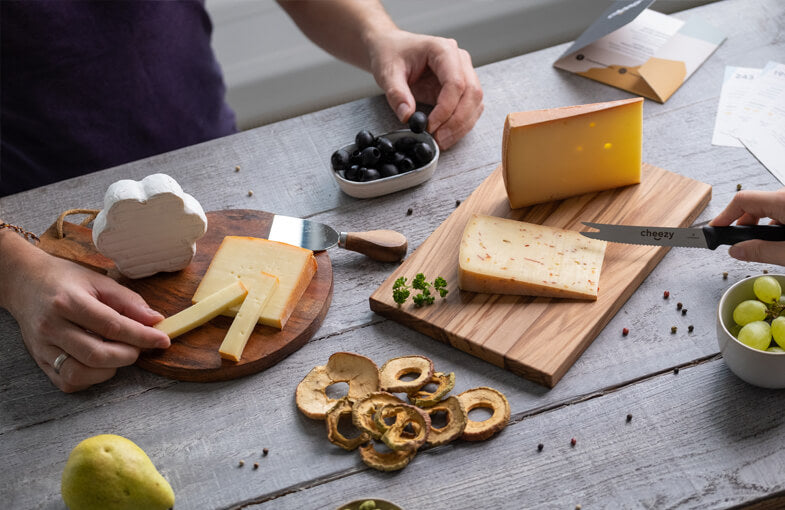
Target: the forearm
(344, 28)
(15, 251)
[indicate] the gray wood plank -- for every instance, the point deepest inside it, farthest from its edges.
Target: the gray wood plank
(199, 431)
(701, 439)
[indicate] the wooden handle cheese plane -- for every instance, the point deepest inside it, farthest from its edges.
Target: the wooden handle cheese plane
(691, 237)
(382, 245)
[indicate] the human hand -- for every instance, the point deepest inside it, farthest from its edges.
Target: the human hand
(747, 208)
(412, 67)
(62, 307)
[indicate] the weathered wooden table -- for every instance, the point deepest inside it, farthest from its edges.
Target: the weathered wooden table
(699, 436)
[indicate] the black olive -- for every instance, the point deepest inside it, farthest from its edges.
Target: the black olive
(385, 146)
(388, 170)
(405, 165)
(395, 158)
(340, 159)
(370, 156)
(363, 139)
(423, 153)
(352, 173)
(405, 144)
(418, 122)
(371, 174)
(354, 158)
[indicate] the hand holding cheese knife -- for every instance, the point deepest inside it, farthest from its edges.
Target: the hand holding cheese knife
(749, 241)
(690, 237)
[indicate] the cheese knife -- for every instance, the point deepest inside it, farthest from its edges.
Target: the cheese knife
(382, 245)
(691, 237)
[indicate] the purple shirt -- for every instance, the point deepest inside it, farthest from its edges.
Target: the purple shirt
(87, 85)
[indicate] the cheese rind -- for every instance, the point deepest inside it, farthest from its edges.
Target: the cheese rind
(237, 257)
(562, 152)
(261, 288)
(503, 256)
(203, 311)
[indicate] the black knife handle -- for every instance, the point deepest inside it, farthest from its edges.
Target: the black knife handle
(716, 236)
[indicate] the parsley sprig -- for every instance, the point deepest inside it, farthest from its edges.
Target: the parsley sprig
(402, 290)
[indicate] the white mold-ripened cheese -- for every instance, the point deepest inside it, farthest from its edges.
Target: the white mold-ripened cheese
(203, 311)
(148, 226)
(239, 256)
(562, 152)
(503, 256)
(261, 288)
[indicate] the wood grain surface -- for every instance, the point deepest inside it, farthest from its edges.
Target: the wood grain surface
(699, 439)
(194, 355)
(540, 338)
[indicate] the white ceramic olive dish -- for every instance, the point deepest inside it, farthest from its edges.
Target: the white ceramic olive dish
(385, 185)
(759, 368)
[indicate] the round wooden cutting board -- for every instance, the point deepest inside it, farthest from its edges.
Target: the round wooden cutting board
(194, 356)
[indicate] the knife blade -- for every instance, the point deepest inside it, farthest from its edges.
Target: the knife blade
(690, 237)
(382, 245)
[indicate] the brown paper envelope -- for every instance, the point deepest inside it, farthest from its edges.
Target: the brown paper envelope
(657, 79)
(663, 76)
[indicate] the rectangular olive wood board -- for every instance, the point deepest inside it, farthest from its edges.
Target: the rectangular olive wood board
(540, 338)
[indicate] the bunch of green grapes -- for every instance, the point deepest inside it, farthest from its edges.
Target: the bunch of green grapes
(763, 319)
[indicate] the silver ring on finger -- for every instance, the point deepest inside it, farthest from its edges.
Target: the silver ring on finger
(58, 364)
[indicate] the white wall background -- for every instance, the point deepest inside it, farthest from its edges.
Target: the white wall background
(273, 72)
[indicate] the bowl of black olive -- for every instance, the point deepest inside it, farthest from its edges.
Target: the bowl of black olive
(376, 165)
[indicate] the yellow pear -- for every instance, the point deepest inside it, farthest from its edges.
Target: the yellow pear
(110, 472)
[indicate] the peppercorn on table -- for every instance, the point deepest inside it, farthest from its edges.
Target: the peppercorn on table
(649, 416)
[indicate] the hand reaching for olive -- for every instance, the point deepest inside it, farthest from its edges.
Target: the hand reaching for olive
(408, 67)
(412, 67)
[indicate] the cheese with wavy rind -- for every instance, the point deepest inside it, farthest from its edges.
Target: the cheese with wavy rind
(148, 226)
(503, 256)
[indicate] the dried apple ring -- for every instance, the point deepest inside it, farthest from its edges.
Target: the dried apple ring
(456, 421)
(343, 408)
(445, 383)
(408, 431)
(365, 408)
(361, 374)
(392, 371)
(386, 461)
(488, 398)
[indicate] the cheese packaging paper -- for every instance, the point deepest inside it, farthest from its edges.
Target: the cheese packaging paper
(641, 51)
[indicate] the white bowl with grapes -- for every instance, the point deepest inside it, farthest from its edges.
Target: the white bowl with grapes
(751, 330)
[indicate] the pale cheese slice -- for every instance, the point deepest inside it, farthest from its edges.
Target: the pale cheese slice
(261, 288)
(503, 256)
(203, 311)
(238, 257)
(562, 152)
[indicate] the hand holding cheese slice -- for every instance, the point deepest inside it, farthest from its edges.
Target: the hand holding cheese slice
(562, 152)
(503, 256)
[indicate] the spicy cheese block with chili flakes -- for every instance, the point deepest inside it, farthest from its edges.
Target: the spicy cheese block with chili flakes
(503, 256)
(562, 152)
(238, 257)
